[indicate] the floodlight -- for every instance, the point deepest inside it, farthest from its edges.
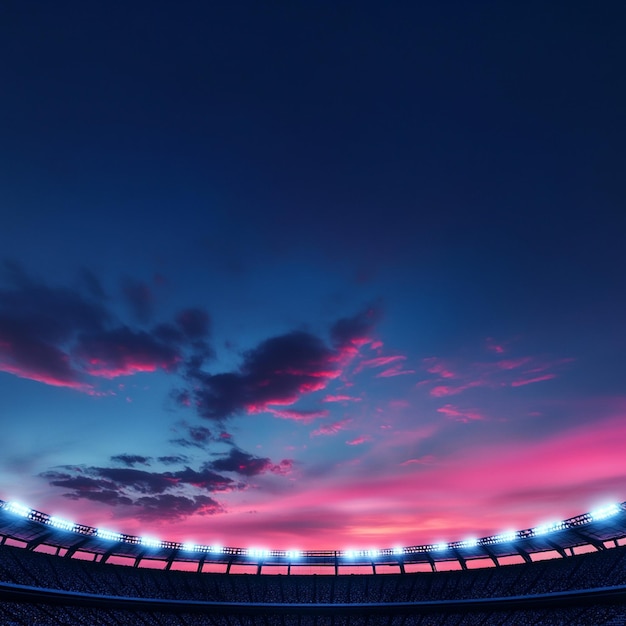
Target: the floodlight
(544, 529)
(107, 534)
(398, 550)
(189, 547)
(150, 543)
(258, 553)
(349, 554)
(469, 543)
(373, 552)
(441, 546)
(506, 537)
(216, 548)
(293, 554)
(18, 509)
(63, 524)
(604, 512)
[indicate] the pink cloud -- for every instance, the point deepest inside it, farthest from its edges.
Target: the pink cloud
(359, 440)
(394, 371)
(460, 415)
(379, 361)
(442, 391)
(340, 398)
(331, 429)
(492, 346)
(509, 364)
(529, 381)
(423, 460)
(45, 378)
(306, 417)
(439, 367)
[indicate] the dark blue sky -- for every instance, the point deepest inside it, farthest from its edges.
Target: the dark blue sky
(271, 268)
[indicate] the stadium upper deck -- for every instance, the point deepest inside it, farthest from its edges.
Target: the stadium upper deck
(33, 528)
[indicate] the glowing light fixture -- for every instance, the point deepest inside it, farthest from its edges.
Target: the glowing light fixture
(18, 509)
(108, 535)
(506, 537)
(63, 524)
(604, 512)
(150, 543)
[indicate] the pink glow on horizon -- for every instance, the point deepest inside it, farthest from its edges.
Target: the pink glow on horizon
(479, 490)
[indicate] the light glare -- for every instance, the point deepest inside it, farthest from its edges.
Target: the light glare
(18, 509)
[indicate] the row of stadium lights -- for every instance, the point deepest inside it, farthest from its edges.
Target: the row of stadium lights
(257, 553)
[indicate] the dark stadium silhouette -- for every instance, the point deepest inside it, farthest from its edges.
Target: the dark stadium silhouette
(53, 571)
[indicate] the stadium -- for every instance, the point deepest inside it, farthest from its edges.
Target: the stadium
(54, 571)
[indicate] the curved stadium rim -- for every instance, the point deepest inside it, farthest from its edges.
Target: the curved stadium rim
(34, 528)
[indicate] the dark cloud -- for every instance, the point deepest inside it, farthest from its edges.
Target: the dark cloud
(357, 329)
(122, 351)
(196, 437)
(173, 459)
(130, 460)
(92, 284)
(78, 482)
(280, 370)
(194, 323)
(205, 479)
(115, 485)
(138, 480)
(139, 298)
(248, 465)
(169, 506)
(63, 337)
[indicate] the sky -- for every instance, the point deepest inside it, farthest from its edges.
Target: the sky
(312, 274)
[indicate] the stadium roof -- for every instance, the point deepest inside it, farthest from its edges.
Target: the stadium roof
(34, 528)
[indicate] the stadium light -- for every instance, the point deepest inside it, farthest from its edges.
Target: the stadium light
(108, 535)
(216, 548)
(150, 543)
(349, 554)
(373, 552)
(18, 509)
(506, 537)
(544, 529)
(604, 512)
(398, 550)
(440, 547)
(469, 543)
(63, 524)
(189, 547)
(258, 553)
(293, 554)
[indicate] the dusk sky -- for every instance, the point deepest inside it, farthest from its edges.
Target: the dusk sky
(312, 274)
